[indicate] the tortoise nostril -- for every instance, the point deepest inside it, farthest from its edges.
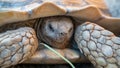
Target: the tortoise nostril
(62, 34)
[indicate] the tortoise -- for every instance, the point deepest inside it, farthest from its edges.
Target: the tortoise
(27, 25)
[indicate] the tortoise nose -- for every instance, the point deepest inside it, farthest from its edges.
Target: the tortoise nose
(63, 34)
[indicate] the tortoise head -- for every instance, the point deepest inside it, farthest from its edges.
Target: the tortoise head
(55, 31)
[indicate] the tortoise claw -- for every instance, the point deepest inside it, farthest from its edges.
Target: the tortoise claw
(99, 45)
(17, 46)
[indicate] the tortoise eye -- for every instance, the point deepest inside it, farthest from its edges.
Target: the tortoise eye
(51, 27)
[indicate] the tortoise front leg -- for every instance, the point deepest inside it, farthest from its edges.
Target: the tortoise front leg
(17, 46)
(100, 46)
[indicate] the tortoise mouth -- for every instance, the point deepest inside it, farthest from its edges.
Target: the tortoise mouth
(55, 31)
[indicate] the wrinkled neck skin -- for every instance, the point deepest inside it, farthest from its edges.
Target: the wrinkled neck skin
(114, 7)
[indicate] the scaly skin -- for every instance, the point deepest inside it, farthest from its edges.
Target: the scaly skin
(17, 46)
(99, 45)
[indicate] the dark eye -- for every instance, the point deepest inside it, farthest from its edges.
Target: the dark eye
(51, 28)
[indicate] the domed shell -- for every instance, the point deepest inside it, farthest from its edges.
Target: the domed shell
(89, 10)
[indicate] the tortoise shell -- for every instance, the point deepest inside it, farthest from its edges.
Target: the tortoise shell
(23, 10)
(95, 11)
